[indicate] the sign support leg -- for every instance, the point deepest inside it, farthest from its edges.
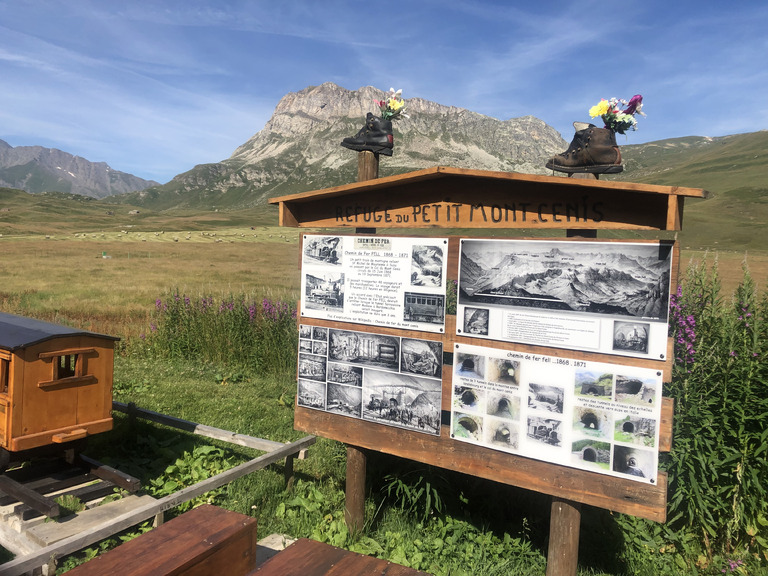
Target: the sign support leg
(354, 509)
(565, 523)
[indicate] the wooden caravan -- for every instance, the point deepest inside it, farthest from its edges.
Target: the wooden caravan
(55, 384)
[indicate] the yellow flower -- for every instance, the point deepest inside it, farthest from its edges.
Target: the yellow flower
(395, 104)
(599, 109)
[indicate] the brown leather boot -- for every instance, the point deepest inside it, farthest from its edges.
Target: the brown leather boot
(592, 150)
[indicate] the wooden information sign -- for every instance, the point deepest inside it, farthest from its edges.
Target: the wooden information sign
(401, 342)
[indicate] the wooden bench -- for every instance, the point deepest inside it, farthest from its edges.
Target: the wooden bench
(310, 558)
(206, 541)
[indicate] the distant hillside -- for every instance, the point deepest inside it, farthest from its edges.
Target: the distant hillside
(299, 149)
(717, 164)
(734, 169)
(36, 169)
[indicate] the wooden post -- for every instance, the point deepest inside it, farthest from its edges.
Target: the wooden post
(565, 523)
(354, 509)
(367, 165)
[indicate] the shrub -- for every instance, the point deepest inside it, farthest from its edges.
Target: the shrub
(259, 334)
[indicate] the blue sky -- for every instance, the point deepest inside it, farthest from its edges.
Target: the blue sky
(155, 87)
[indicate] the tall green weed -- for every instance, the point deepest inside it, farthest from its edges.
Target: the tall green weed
(257, 334)
(718, 470)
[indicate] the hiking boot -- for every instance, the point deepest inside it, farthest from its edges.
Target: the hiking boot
(592, 150)
(376, 136)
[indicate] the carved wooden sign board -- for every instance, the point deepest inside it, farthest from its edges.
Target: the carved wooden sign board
(549, 374)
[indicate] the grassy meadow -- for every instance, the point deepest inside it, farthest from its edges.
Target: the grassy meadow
(110, 277)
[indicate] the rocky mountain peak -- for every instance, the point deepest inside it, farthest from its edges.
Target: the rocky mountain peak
(299, 147)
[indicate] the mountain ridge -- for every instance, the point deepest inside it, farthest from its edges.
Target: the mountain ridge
(299, 148)
(36, 169)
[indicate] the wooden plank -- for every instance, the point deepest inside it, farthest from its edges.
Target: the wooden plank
(665, 425)
(617, 494)
(112, 526)
(36, 501)
(42, 438)
(310, 558)
(204, 541)
(87, 493)
(65, 352)
(121, 479)
(69, 382)
(456, 198)
(200, 429)
(76, 434)
(48, 533)
(46, 484)
(446, 172)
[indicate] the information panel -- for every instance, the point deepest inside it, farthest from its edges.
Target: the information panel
(379, 281)
(593, 416)
(376, 377)
(606, 297)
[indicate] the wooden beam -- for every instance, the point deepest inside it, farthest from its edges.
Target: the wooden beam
(34, 500)
(199, 429)
(121, 479)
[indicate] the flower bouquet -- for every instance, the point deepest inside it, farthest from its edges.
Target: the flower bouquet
(614, 117)
(393, 106)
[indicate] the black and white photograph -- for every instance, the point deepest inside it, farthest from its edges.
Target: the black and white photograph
(305, 331)
(502, 434)
(402, 400)
(324, 292)
(427, 265)
(545, 430)
(319, 333)
(502, 405)
(368, 349)
(346, 400)
(469, 365)
(323, 249)
(546, 397)
(503, 371)
(625, 279)
(631, 336)
(320, 347)
(305, 345)
(418, 307)
(476, 320)
(424, 357)
(312, 367)
(345, 374)
(311, 394)
(606, 297)
(634, 462)
(468, 398)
